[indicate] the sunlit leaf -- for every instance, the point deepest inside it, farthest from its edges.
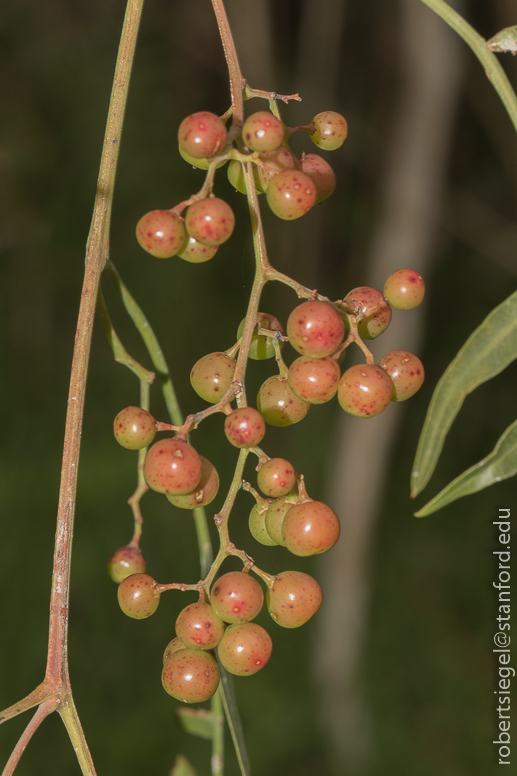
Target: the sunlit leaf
(506, 40)
(199, 722)
(490, 349)
(499, 465)
(182, 767)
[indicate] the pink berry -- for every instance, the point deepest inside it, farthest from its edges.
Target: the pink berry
(291, 194)
(276, 477)
(293, 598)
(275, 516)
(272, 163)
(278, 405)
(210, 221)
(204, 492)
(161, 233)
(314, 379)
(405, 371)
(364, 390)
(173, 646)
(372, 311)
(245, 649)
(262, 131)
(310, 528)
(212, 375)
(124, 562)
(404, 289)
(244, 427)
(330, 130)
(236, 597)
(321, 174)
(315, 329)
(195, 252)
(202, 134)
(199, 627)
(134, 428)
(172, 465)
(136, 596)
(191, 675)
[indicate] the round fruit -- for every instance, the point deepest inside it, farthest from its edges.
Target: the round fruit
(291, 194)
(245, 649)
(404, 289)
(278, 405)
(210, 221)
(244, 427)
(201, 164)
(310, 528)
(202, 134)
(321, 174)
(257, 525)
(199, 627)
(272, 163)
(212, 375)
(275, 517)
(364, 390)
(315, 329)
(124, 562)
(173, 646)
(195, 252)
(405, 371)
(372, 311)
(236, 597)
(276, 477)
(204, 492)
(191, 675)
(262, 347)
(314, 379)
(161, 233)
(136, 596)
(237, 179)
(134, 428)
(330, 130)
(293, 598)
(262, 131)
(172, 465)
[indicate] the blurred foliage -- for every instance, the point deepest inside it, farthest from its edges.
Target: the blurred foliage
(427, 669)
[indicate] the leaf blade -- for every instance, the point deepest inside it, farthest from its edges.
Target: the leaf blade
(198, 722)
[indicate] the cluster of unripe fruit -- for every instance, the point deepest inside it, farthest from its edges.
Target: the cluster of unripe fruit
(292, 186)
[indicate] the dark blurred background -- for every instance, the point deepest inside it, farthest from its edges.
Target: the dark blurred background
(395, 675)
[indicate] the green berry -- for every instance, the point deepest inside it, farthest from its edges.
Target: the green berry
(136, 596)
(195, 252)
(278, 405)
(276, 477)
(210, 221)
(202, 134)
(321, 174)
(257, 525)
(310, 528)
(372, 311)
(293, 598)
(404, 289)
(364, 390)
(161, 233)
(236, 597)
(191, 675)
(244, 427)
(291, 194)
(204, 492)
(330, 130)
(262, 131)
(262, 347)
(315, 329)
(405, 371)
(314, 379)
(173, 646)
(275, 515)
(236, 177)
(212, 375)
(172, 465)
(199, 627)
(245, 649)
(201, 164)
(134, 428)
(124, 562)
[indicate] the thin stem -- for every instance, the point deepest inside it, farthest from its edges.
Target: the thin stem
(234, 70)
(71, 721)
(217, 761)
(493, 70)
(119, 352)
(43, 711)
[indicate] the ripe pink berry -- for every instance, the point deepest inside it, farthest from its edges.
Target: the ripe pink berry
(245, 649)
(191, 675)
(195, 252)
(212, 375)
(310, 528)
(172, 465)
(372, 311)
(272, 163)
(124, 562)
(161, 233)
(173, 646)
(199, 627)
(276, 477)
(202, 134)
(210, 221)
(257, 525)
(315, 329)
(404, 289)
(291, 194)
(244, 427)
(262, 131)
(321, 174)
(204, 492)
(134, 428)
(405, 371)
(364, 390)
(278, 405)
(314, 379)
(136, 596)
(330, 130)
(293, 598)
(236, 597)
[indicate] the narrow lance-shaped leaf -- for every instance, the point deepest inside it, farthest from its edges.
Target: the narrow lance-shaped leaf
(199, 722)
(490, 349)
(499, 465)
(182, 767)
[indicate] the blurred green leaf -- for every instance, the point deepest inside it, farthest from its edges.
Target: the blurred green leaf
(182, 767)
(506, 40)
(491, 347)
(499, 465)
(199, 722)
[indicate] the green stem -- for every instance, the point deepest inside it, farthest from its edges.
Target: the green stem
(493, 70)
(71, 721)
(218, 735)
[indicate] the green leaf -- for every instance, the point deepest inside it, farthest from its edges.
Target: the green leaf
(182, 767)
(506, 40)
(499, 465)
(490, 349)
(199, 722)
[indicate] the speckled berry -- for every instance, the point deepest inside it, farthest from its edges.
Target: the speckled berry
(293, 598)
(291, 194)
(314, 379)
(136, 596)
(262, 131)
(236, 597)
(173, 646)
(210, 221)
(195, 252)
(364, 390)
(124, 562)
(372, 311)
(244, 427)
(405, 371)
(172, 465)
(278, 405)
(199, 627)
(275, 515)
(276, 477)
(202, 134)
(321, 174)
(315, 329)
(204, 492)
(310, 528)
(272, 163)
(212, 375)
(257, 525)
(330, 130)
(134, 428)
(404, 289)
(161, 233)
(245, 649)
(191, 675)
(262, 347)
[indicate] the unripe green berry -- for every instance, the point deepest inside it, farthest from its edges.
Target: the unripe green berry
(372, 311)
(293, 598)
(275, 515)
(310, 528)
(191, 675)
(262, 131)
(245, 649)
(257, 525)
(244, 427)
(291, 194)
(212, 375)
(405, 371)
(237, 179)
(204, 492)
(201, 164)
(276, 477)
(364, 390)
(236, 597)
(314, 379)
(202, 134)
(199, 627)
(134, 428)
(172, 466)
(278, 405)
(136, 596)
(315, 329)
(210, 221)
(261, 347)
(404, 289)
(124, 562)
(161, 233)
(330, 130)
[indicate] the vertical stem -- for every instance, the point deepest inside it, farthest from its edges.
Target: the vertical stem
(234, 70)
(218, 736)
